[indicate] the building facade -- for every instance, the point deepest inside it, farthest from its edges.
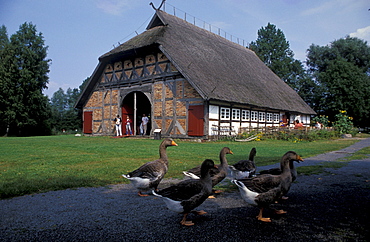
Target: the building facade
(189, 82)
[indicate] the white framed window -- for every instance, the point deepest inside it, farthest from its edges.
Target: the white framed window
(268, 117)
(276, 117)
(245, 115)
(254, 116)
(235, 114)
(213, 112)
(225, 113)
(261, 116)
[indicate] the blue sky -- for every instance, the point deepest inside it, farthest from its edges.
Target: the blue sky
(79, 31)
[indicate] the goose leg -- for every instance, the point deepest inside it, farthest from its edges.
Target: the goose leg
(201, 212)
(142, 195)
(184, 222)
(280, 211)
(259, 217)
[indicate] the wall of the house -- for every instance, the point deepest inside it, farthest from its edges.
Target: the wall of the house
(170, 96)
(238, 117)
(104, 105)
(171, 101)
(169, 93)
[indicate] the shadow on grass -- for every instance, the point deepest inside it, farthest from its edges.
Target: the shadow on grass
(20, 186)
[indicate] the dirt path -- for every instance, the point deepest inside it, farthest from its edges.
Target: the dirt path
(333, 206)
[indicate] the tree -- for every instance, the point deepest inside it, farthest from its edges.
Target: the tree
(64, 115)
(24, 75)
(273, 49)
(6, 114)
(341, 71)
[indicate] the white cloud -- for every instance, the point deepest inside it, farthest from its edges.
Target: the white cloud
(363, 33)
(54, 86)
(114, 7)
(334, 7)
(319, 9)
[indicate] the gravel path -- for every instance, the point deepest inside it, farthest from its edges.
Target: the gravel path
(333, 206)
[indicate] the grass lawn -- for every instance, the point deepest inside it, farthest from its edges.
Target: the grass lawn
(38, 164)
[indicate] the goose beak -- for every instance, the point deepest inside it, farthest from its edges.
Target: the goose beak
(174, 144)
(231, 152)
(299, 158)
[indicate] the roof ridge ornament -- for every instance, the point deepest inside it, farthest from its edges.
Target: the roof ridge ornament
(159, 8)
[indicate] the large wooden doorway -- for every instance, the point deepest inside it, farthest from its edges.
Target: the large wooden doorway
(196, 120)
(134, 105)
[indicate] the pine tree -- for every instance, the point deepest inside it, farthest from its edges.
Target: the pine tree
(24, 74)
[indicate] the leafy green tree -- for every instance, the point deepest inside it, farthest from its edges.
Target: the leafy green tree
(341, 71)
(273, 49)
(58, 103)
(24, 75)
(83, 85)
(64, 115)
(6, 113)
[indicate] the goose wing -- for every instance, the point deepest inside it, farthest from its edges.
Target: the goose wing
(183, 190)
(262, 183)
(151, 170)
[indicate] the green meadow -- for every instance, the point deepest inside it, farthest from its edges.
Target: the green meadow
(39, 164)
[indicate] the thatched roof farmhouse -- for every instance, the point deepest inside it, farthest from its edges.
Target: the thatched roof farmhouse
(189, 81)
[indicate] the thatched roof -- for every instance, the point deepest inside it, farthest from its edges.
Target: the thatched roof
(216, 67)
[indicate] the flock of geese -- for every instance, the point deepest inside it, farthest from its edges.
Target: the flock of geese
(259, 190)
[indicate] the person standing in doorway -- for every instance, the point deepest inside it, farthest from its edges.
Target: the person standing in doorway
(128, 126)
(144, 123)
(118, 121)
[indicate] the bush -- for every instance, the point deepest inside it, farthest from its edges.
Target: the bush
(343, 123)
(303, 135)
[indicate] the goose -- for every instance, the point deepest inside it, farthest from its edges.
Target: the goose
(277, 171)
(149, 175)
(188, 194)
(265, 189)
(244, 168)
(218, 173)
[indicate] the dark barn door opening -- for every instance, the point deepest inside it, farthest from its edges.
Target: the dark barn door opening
(196, 120)
(134, 105)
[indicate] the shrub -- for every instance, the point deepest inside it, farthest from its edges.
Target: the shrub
(343, 123)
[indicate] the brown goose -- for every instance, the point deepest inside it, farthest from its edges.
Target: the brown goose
(149, 175)
(277, 171)
(244, 168)
(264, 189)
(217, 174)
(186, 195)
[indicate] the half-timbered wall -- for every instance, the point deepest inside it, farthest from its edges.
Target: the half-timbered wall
(170, 94)
(239, 117)
(170, 104)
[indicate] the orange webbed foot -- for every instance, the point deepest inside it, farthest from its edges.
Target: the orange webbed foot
(267, 220)
(280, 212)
(142, 195)
(201, 212)
(187, 223)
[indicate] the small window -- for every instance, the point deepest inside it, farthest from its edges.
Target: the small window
(245, 115)
(261, 116)
(225, 113)
(254, 116)
(268, 117)
(213, 112)
(276, 117)
(236, 114)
